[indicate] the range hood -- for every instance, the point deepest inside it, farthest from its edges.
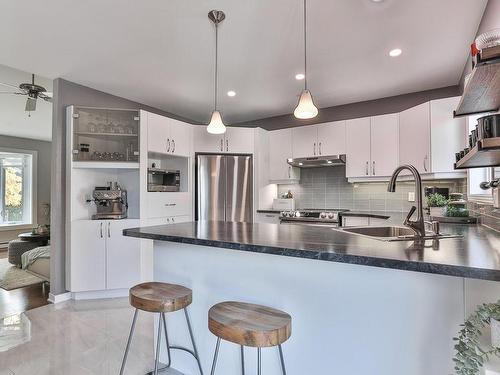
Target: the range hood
(318, 161)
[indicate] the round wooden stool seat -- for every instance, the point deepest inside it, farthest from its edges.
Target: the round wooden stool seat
(248, 324)
(160, 297)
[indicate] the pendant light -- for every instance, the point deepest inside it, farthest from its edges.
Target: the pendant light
(305, 108)
(216, 126)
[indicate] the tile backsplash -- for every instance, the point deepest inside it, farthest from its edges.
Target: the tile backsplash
(486, 214)
(327, 187)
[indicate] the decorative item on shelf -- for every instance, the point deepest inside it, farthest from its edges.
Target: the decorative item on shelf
(471, 355)
(216, 125)
(305, 107)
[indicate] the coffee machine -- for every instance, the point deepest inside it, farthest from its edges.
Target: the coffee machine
(111, 202)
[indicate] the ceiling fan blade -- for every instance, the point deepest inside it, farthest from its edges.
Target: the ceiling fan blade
(9, 85)
(30, 105)
(48, 93)
(45, 97)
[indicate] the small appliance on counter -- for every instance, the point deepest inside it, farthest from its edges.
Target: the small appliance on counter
(111, 202)
(282, 204)
(163, 180)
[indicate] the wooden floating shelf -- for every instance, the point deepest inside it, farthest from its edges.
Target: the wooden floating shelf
(482, 91)
(485, 154)
(106, 134)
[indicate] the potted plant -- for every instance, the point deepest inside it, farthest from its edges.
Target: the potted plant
(470, 354)
(436, 202)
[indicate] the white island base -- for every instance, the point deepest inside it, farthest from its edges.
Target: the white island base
(346, 319)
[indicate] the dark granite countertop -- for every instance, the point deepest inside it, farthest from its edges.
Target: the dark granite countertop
(476, 255)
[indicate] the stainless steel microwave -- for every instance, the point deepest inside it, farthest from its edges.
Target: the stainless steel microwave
(163, 180)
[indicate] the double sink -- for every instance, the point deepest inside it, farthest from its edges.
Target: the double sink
(394, 233)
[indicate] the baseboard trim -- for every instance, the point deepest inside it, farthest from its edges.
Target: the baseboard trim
(115, 293)
(57, 298)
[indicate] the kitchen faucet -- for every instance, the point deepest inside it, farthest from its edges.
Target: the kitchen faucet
(417, 225)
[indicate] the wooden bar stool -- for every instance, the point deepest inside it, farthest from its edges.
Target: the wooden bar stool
(251, 325)
(161, 298)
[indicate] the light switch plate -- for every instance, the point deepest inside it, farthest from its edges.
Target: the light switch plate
(411, 196)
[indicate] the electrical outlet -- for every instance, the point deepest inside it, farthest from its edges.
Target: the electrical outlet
(411, 196)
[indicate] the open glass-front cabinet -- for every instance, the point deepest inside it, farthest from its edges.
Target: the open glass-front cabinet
(105, 135)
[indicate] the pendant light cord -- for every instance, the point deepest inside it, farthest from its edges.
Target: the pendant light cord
(216, 63)
(305, 46)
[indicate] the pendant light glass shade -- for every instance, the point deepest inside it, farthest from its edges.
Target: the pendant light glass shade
(305, 108)
(216, 126)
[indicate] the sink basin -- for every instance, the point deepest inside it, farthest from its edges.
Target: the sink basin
(381, 231)
(393, 233)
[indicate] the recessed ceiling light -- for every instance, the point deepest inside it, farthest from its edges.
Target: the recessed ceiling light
(395, 52)
(299, 76)
(377, 1)
(231, 93)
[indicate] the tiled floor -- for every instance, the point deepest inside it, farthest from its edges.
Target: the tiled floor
(77, 338)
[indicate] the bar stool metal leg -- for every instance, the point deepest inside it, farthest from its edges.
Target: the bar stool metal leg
(242, 360)
(158, 340)
(166, 340)
(259, 362)
(132, 328)
(195, 350)
(216, 354)
(281, 359)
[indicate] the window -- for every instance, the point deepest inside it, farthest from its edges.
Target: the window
(17, 183)
(478, 175)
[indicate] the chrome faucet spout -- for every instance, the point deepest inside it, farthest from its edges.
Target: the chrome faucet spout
(417, 225)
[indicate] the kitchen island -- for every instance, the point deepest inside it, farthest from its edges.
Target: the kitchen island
(349, 296)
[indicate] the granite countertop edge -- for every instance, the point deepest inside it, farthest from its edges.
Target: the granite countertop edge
(356, 259)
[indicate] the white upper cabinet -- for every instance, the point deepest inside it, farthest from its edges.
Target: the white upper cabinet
(317, 140)
(235, 141)
(168, 136)
(280, 149)
(415, 137)
(180, 138)
(448, 134)
(384, 144)
(158, 133)
(358, 147)
(331, 138)
(305, 141)
(239, 140)
(206, 142)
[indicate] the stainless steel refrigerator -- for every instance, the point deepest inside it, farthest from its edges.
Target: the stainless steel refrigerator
(224, 188)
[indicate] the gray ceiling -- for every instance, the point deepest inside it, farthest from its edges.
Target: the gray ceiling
(161, 53)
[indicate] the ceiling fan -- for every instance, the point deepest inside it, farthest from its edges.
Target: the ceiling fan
(31, 90)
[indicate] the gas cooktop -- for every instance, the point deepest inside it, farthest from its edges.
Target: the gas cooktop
(320, 216)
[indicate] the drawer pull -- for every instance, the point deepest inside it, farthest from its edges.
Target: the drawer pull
(170, 204)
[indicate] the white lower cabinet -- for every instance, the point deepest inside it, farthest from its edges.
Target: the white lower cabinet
(101, 257)
(168, 204)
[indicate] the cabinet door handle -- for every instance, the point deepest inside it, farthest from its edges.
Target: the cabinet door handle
(170, 204)
(227, 145)
(173, 221)
(425, 163)
(173, 146)
(373, 167)
(366, 170)
(109, 230)
(101, 229)
(168, 220)
(314, 148)
(168, 144)
(289, 170)
(319, 147)
(222, 145)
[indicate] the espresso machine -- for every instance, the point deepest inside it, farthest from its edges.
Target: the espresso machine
(111, 202)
